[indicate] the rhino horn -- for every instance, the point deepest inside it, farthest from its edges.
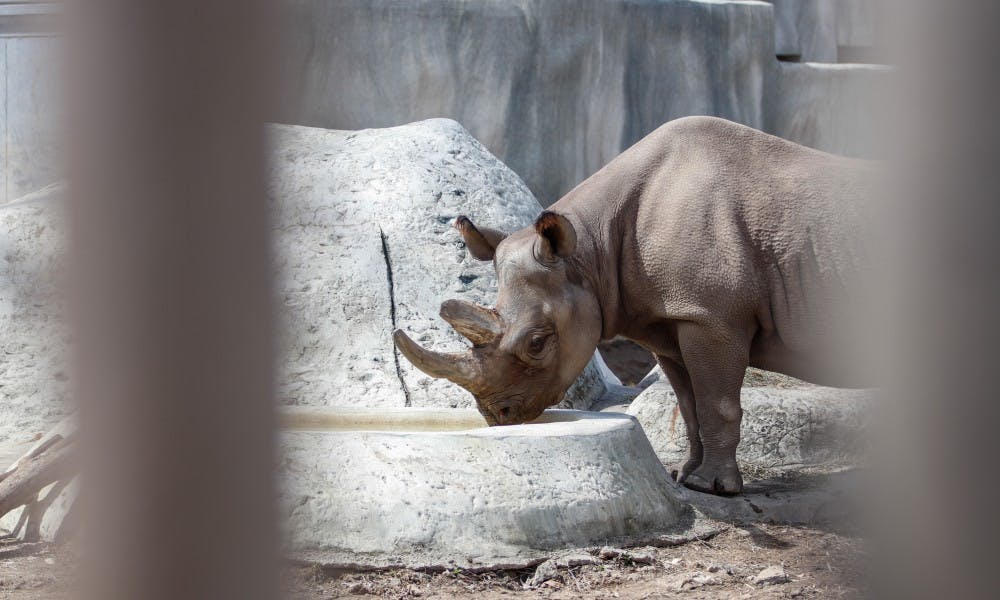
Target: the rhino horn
(480, 325)
(458, 368)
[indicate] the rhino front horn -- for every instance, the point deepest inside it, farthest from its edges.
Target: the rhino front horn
(479, 325)
(457, 368)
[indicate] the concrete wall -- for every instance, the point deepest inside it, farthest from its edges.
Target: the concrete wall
(826, 30)
(555, 89)
(28, 99)
(834, 107)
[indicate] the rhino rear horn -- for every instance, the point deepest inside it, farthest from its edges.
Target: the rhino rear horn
(458, 368)
(480, 325)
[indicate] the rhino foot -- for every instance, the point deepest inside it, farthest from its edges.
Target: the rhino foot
(723, 480)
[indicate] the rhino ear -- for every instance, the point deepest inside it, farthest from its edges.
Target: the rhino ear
(482, 242)
(558, 237)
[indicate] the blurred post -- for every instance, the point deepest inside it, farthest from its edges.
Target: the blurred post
(172, 297)
(940, 479)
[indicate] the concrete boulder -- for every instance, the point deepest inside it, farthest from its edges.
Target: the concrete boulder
(33, 372)
(435, 488)
(365, 243)
(783, 427)
(34, 381)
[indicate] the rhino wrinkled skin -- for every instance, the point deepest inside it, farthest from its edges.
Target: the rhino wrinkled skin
(712, 245)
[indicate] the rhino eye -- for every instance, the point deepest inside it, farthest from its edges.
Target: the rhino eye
(537, 343)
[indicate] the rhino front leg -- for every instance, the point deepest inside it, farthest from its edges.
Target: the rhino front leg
(680, 380)
(716, 360)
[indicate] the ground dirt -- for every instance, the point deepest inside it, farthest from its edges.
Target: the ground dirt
(35, 571)
(817, 564)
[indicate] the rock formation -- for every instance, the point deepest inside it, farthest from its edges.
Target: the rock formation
(365, 243)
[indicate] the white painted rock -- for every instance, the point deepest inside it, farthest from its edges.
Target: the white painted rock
(427, 487)
(33, 374)
(365, 243)
(342, 201)
(782, 428)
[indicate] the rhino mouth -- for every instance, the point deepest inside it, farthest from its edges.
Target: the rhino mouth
(503, 411)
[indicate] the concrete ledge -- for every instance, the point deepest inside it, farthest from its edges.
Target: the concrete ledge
(811, 427)
(836, 108)
(817, 30)
(27, 18)
(432, 487)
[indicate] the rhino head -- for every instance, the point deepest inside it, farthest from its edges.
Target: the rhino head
(531, 347)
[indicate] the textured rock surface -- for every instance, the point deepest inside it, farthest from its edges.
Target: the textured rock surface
(782, 428)
(33, 373)
(350, 207)
(474, 498)
(365, 243)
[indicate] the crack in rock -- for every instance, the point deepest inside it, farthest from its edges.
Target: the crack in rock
(392, 314)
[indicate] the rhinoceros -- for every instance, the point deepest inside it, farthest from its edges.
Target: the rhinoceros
(711, 244)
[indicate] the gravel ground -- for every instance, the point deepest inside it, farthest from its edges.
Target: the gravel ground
(797, 562)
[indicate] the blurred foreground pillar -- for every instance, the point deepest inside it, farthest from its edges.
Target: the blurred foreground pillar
(172, 300)
(939, 523)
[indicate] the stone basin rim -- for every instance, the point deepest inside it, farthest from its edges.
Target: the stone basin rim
(423, 421)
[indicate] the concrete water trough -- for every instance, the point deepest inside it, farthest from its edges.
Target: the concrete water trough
(437, 488)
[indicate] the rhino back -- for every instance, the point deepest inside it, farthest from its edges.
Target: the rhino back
(720, 222)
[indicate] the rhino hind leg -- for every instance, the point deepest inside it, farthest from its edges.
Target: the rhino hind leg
(716, 359)
(680, 380)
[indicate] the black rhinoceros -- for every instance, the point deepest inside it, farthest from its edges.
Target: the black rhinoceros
(713, 245)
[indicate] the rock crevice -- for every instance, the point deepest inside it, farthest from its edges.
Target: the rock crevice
(392, 312)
